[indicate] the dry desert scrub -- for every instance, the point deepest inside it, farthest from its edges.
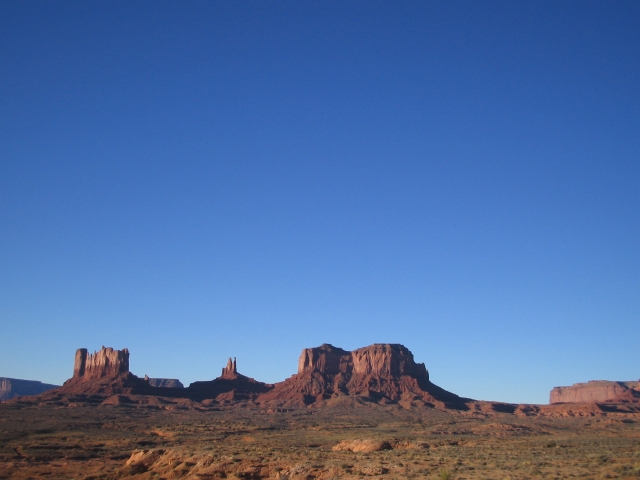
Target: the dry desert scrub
(130, 441)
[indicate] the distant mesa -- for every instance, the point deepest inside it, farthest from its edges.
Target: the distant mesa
(164, 382)
(595, 391)
(14, 387)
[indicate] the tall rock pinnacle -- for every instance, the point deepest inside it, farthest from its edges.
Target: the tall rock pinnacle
(230, 371)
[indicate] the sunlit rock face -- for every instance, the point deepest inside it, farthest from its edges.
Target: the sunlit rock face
(106, 362)
(230, 372)
(381, 360)
(387, 360)
(380, 372)
(325, 359)
(594, 391)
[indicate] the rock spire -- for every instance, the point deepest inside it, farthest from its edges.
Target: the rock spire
(231, 370)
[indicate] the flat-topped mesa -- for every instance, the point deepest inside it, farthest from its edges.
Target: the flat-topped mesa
(593, 391)
(164, 382)
(230, 372)
(379, 360)
(380, 372)
(106, 362)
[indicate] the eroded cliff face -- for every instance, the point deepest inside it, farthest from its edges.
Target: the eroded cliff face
(325, 359)
(105, 372)
(380, 360)
(593, 391)
(381, 372)
(387, 360)
(106, 362)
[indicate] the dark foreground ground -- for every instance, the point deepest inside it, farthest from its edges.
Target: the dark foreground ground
(186, 441)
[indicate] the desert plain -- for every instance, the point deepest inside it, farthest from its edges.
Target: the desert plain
(179, 439)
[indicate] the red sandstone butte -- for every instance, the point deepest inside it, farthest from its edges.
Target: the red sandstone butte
(106, 362)
(105, 372)
(594, 391)
(379, 372)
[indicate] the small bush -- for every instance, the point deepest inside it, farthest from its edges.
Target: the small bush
(445, 475)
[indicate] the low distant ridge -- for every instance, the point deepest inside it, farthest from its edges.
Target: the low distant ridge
(595, 391)
(164, 382)
(14, 387)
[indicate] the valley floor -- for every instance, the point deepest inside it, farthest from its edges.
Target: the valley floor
(169, 441)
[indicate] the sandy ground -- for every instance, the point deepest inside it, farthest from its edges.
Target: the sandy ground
(172, 440)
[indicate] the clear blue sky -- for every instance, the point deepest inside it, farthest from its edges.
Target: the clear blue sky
(199, 180)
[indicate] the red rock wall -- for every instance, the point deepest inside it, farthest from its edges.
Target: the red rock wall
(381, 360)
(386, 360)
(106, 362)
(326, 359)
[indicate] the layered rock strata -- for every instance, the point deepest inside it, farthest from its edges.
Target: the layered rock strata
(594, 391)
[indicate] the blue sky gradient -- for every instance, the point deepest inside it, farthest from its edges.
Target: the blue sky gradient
(199, 180)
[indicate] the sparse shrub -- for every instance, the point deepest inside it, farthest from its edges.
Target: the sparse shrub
(445, 475)
(551, 444)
